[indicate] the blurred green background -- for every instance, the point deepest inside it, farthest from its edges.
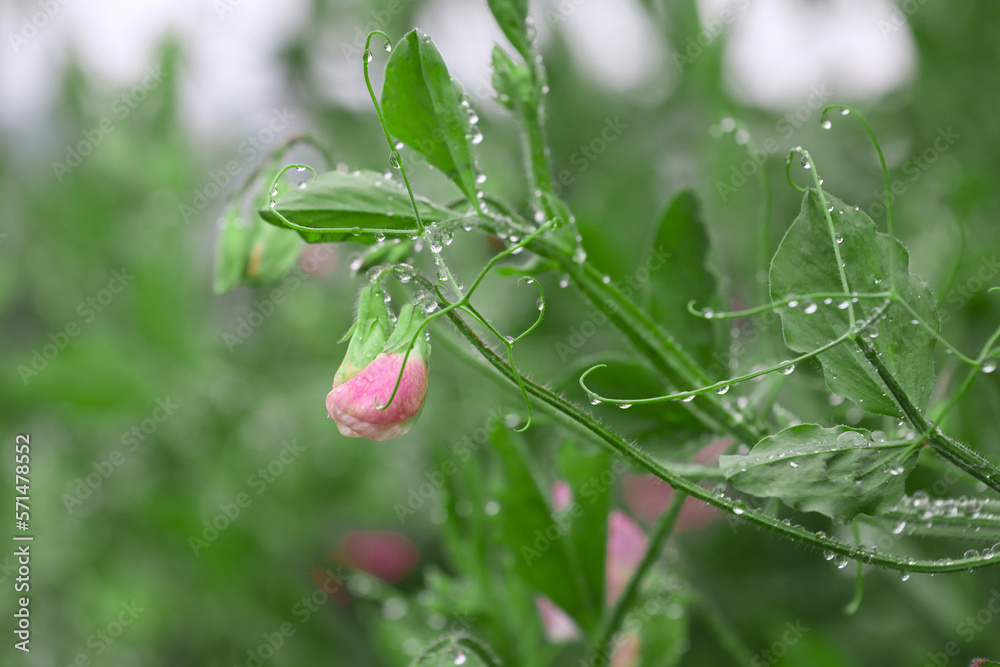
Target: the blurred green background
(147, 421)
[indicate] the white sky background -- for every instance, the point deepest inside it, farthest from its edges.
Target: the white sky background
(778, 50)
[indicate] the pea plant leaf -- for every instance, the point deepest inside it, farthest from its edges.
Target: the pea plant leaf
(362, 200)
(680, 249)
(806, 262)
(423, 107)
(512, 16)
(840, 472)
(538, 539)
(590, 480)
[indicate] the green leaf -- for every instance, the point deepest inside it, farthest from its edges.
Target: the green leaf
(512, 16)
(514, 84)
(805, 262)
(681, 246)
(590, 480)
(362, 200)
(233, 249)
(840, 472)
(385, 254)
(422, 106)
(541, 548)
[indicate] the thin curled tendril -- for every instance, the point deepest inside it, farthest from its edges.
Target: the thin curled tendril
(826, 123)
(465, 304)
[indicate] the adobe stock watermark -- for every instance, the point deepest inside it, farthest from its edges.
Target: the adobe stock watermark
(121, 107)
(784, 129)
(712, 30)
(83, 487)
(914, 168)
(257, 482)
(660, 602)
(779, 648)
(562, 521)
(967, 630)
(462, 450)
(252, 146)
(35, 23)
(597, 316)
(380, 20)
(88, 310)
(262, 309)
(587, 154)
(899, 11)
(103, 638)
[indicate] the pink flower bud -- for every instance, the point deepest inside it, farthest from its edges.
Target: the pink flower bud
(363, 386)
(355, 404)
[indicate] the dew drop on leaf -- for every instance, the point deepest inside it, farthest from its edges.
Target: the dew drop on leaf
(810, 308)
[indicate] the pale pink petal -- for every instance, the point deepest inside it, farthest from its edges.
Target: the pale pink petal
(354, 404)
(627, 651)
(626, 547)
(561, 495)
(558, 625)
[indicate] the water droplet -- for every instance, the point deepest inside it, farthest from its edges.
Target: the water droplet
(971, 553)
(903, 575)
(355, 231)
(368, 56)
(722, 390)
(843, 304)
(564, 281)
(594, 400)
(805, 162)
(394, 159)
(459, 659)
(793, 304)
(899, 528)
(476, 137)
(810, 308)
(788, 370)
(388, 47)
(828, 301)
(606, 280)
(829, 206)
(841, 563)
(829, 555)
(989, 366)
(896, 470)
(826, 123)
(443, 275)
(303, 185)
(839, 237)
(509, 339)
(844, 112)
(793, 464)
(541, 304)
(379, 236)
(624, 406)
(688, 399)
(480, 179)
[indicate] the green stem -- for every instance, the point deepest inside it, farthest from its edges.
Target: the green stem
(728, 639)
(958, 454)
(571, 415)
(664, 527)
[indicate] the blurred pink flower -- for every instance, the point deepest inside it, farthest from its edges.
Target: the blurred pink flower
(558, 625)
(626, 547)
(561, 495)
(389, 556)
(626, 653)
(649, 497)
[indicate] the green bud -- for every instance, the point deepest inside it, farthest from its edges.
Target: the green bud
(368, 334)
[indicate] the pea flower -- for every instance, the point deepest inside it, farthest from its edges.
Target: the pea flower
(365, 381)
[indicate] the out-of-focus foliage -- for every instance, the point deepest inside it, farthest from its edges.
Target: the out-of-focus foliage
(184, 466)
